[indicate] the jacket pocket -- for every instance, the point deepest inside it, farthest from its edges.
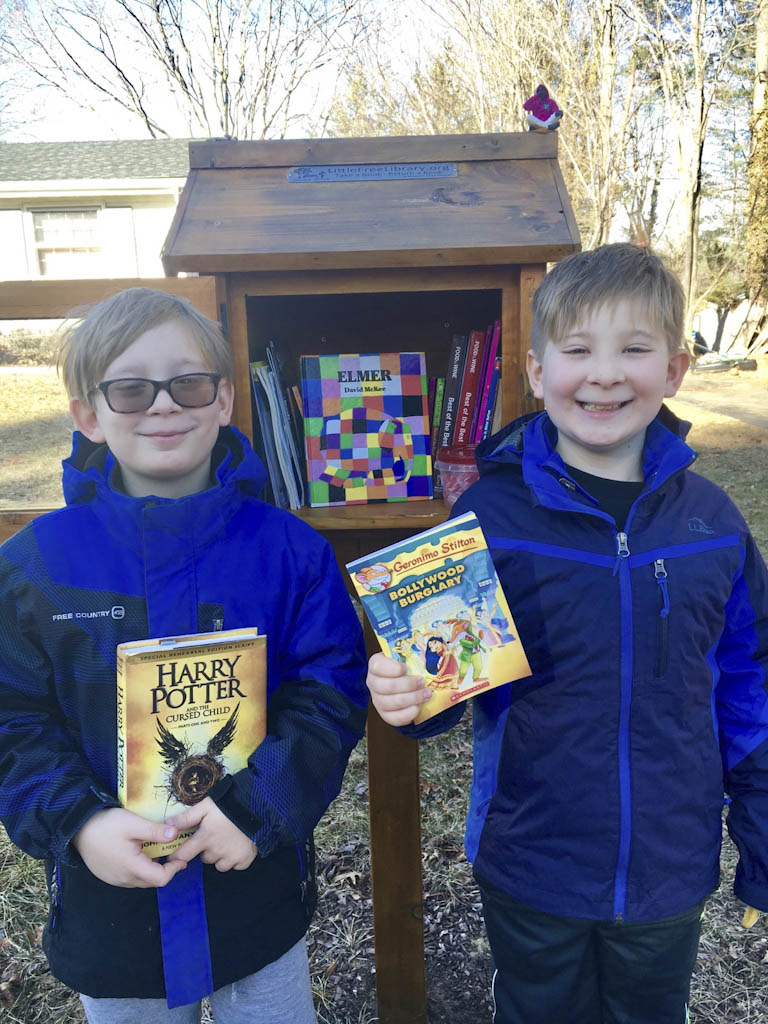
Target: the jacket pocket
(662, 629)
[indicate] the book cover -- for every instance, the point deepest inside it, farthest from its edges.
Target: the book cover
(366, 427)
(468, 389)
(452, 383)
(436, 604)
(485, 386)
(189, 710)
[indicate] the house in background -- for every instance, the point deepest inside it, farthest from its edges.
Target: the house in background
(88, 209)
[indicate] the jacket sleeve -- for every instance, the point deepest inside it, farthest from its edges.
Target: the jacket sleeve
(314, 718)
(741, 704)
(47, 790)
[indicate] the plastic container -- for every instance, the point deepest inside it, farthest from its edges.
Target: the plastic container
(457, 468)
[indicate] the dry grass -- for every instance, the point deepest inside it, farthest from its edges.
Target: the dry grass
(35, 435)
(729, 982)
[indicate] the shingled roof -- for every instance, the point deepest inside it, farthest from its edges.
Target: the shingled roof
(79, 161)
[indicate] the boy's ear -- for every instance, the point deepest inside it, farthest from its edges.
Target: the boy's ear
(676, 370)
(533, 369)
(86, 420)
(225, 398)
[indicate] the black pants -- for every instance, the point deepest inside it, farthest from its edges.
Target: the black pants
(565, 970)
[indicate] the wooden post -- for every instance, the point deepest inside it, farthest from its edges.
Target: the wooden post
(398, 909)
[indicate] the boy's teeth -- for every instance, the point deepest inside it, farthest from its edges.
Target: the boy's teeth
(601, 407)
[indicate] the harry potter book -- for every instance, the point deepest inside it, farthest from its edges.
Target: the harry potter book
(436, 604)
(190, 709)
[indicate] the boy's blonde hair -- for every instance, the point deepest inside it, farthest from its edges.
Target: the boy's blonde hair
(585, 281)
(89, 344)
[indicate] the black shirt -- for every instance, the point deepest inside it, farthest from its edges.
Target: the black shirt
(613, 496)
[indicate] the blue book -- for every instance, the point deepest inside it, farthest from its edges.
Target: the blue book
(493, 388)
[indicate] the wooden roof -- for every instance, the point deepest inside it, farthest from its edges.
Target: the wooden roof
(296, 205)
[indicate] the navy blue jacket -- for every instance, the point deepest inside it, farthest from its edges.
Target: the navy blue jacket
(109, 568)
(598, 781)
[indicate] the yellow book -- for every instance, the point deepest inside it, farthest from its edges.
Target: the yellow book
(435, 603)
(190, 709)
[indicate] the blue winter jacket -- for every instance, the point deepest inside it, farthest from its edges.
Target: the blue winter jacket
(109, 568)
(598, 781)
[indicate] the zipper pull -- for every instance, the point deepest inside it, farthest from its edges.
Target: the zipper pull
(662, 654)
(661, 578)
(622, 550)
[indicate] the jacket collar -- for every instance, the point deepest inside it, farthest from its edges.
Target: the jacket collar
(91, 474)
(529, 443)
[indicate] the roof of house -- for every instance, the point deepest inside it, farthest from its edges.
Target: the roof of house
(79, 161)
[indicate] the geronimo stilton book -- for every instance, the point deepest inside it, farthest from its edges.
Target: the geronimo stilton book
(190, 709)
(436, 604)
(366, 427)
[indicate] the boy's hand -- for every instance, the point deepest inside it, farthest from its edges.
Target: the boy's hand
(110, 844)
(217, 839)
(750, 917)
(396, 696)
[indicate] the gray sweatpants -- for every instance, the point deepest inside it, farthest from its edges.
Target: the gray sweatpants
(277, 993)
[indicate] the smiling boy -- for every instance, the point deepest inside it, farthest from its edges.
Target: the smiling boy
(642, 602)
(163, 534)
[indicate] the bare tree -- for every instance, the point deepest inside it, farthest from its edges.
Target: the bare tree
(236, 68)
(757, 226)
(690, 46)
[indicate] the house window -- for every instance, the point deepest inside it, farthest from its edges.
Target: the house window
(68, 242)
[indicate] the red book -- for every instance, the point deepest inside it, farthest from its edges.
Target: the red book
(468, 390)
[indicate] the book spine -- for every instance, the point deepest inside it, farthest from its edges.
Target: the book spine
(468, 390)
(432, 384)
(122, 739)
(452, 383)
(493, 394)
(437, 413)
(490, 363)
(481, 381)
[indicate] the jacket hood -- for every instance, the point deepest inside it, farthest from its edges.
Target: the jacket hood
(530, 440)
(92, 470)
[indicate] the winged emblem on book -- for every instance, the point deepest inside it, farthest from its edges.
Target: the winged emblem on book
(192, 776)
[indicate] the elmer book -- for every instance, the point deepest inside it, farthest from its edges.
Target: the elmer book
(436, 603)
(366, 427)
(190, 709)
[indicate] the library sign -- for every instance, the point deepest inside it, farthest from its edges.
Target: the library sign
(371, 172)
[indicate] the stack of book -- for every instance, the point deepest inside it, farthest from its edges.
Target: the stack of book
(279, 439)
(467, 406)
(367, 427)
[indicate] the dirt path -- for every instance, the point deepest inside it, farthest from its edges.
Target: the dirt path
(743, 397)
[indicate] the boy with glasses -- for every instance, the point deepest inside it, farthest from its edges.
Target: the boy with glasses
(163, 533)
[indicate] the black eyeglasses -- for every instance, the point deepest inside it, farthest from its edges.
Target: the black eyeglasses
(137, 394)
